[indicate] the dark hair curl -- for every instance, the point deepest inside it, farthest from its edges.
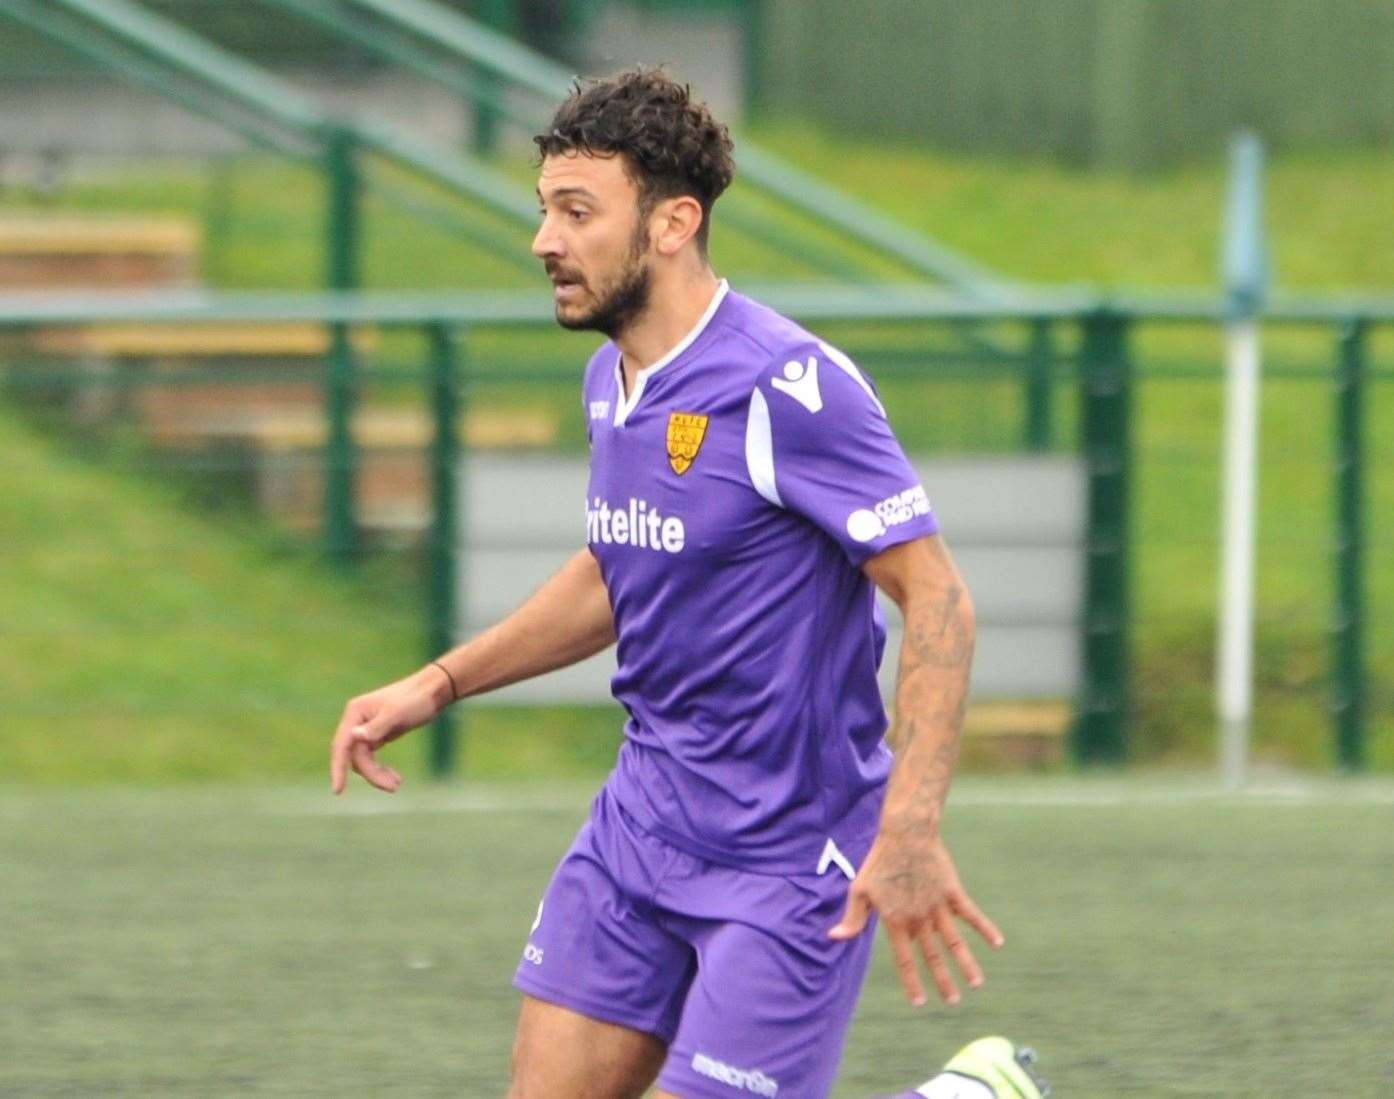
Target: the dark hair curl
(670, 144)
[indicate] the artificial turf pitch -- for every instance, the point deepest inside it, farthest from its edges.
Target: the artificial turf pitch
(1162, 939)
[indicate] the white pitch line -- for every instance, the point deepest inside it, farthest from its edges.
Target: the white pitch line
(973, 794)
(384, 806)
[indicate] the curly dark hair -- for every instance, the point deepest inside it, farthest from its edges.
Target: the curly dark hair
(670, 143)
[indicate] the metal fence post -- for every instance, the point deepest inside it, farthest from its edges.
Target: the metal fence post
(1100, 730)
(340, 526)
(1347, 628)
(441, 550)
(498, 15)
(1038, 391)
(753, 56)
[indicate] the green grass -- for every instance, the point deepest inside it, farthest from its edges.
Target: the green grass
(1325, 211)
(1030, 220)
(148, 640)
(154, 639)
(1161, 940)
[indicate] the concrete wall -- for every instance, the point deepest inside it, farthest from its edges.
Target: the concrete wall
(1015, 525)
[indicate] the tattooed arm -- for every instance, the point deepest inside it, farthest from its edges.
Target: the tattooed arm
(932, 680)
(908, 877)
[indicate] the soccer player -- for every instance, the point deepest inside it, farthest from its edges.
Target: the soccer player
(710, 926)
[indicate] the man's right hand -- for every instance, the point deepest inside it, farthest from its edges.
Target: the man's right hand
(372, 720)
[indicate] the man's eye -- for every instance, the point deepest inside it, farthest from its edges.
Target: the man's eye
(577, 215)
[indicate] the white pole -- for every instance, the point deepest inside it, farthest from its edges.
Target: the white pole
(1238, 521)
(1244, 268)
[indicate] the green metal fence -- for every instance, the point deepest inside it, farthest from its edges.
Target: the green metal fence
(1131, 385)
(427, 180)
(1135, 84)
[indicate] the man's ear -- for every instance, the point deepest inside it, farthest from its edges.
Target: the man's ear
(675, 222)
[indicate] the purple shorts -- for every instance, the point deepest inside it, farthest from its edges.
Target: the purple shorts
(733, 969)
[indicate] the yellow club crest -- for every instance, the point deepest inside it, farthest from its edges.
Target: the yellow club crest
(686, 430)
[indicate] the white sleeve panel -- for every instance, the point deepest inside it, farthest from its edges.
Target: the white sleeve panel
(848, 367)
(759, 448)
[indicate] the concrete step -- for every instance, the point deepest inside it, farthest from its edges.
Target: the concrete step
(44, 251)
(284, 448)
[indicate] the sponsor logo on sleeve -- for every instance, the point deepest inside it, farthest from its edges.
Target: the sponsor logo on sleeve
(742, 1079)
(868, 524)
(686, 430)
(800, 381)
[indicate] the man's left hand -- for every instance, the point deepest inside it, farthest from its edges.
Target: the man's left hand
(912, 884)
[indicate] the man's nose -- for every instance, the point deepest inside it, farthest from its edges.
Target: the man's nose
(547, 242)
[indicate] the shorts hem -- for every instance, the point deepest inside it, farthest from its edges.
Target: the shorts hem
(594, 1009)
(692, 1086)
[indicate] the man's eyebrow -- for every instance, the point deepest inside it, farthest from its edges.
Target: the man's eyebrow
(566, 192)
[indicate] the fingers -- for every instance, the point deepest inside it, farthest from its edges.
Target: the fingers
(953, 941)
(938, 968)
(904, 958)
(854, 919)
(963, 907)
(339, 756)
(352, 747)
(378, 774)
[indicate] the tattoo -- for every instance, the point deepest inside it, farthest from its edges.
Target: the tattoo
(931, 695)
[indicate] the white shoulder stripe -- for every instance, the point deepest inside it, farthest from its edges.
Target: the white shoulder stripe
(759, 448)
(837, 357)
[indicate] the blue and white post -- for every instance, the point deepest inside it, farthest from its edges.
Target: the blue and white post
(1244, 269)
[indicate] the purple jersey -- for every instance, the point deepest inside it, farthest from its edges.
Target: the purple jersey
(733, 498)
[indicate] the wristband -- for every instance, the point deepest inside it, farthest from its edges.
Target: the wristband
(454, 690)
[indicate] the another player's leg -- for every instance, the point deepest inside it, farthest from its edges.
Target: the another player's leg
(990, 1068)
(560, 1052)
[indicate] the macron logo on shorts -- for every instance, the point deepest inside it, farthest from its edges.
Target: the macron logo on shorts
(746, 1079)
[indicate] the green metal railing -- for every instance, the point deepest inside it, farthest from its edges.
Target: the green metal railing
(1102, 369)
(172, 62)
(169, 60)
(1106, 445)
(497, 62)
(1348, 625)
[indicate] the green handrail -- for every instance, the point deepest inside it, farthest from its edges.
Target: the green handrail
(256, 90)
(69, 33)
(496, 53)
(272, 101)
(388, 42)
(401, 50)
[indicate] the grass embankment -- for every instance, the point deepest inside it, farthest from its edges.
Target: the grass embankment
(1030, 221)
(145, 640)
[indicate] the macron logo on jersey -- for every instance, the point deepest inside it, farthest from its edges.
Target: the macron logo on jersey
(801, 382)
(634, 524)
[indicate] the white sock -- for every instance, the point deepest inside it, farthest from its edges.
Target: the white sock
(950, 1085)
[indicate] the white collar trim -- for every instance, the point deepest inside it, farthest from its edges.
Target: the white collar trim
(624, 407)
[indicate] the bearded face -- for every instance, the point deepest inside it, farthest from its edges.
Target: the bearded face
(594, 242)
(608, 300)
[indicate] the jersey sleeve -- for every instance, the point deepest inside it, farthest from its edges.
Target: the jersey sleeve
(818, 444)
